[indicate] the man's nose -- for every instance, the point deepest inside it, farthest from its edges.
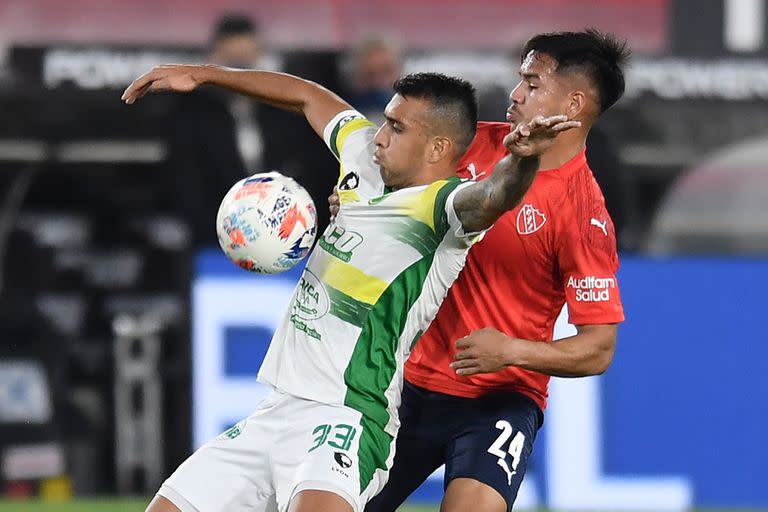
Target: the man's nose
(380, 138)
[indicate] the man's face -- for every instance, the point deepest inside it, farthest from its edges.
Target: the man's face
(238, 51)
(541, 91)
(402, 142)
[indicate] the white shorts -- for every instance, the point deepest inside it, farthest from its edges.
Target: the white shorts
(288, 445)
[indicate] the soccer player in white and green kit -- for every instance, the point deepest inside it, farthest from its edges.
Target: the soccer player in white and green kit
(324, 439)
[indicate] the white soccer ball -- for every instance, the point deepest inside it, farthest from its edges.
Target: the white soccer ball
(266, 223)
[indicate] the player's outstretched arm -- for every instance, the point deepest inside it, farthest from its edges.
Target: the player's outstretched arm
(480, 205)
(288, 92)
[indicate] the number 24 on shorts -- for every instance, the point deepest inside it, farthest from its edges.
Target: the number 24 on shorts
(342, 438)
(515, 448)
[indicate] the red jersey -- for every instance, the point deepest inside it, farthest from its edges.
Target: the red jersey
(558, 245)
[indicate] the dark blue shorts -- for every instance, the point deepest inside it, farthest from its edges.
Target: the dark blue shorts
(488, 439)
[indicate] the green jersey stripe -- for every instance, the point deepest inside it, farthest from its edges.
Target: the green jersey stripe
(347, 308)
(372, 451)
(418, 235)
(334, 135)
(441, 218)
(374, 360)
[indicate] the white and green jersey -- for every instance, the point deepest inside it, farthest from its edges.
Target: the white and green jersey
(371, 287)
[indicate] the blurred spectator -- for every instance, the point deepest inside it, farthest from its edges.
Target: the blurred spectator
(371, 67)
(237, 43)
(215, 137)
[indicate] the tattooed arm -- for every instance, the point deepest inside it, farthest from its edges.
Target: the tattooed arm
(481, 204)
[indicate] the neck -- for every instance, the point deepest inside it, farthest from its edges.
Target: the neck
(567, 145)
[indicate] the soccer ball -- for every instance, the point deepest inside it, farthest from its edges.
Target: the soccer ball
(266, 223)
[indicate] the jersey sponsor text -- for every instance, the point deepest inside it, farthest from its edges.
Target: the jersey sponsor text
(592, 289)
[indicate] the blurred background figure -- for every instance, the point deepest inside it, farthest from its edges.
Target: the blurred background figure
(370, 68)
(237, 43)
(215, 138)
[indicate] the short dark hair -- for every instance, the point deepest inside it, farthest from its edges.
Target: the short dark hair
(451, 97)
(601, 56)
(233, 24)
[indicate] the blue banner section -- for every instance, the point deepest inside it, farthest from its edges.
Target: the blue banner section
(686, 393)
(245, 348)
(685, 398)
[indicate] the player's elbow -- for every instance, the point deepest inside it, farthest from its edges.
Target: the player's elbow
(478, 216)
(602, 365)
(598, 344)
(602, 360)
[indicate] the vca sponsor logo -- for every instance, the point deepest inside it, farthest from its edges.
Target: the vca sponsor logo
(592, 289)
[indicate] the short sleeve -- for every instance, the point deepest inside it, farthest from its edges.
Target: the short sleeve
(588, 264)
(445, 217)
(349, 136)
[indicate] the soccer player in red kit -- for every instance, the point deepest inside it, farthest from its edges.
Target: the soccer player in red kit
(476, 381)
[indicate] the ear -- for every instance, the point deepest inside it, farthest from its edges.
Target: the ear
(577, 102)
(441, 147)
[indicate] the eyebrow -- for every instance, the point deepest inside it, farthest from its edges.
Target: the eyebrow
(392, 119)
(529, 76)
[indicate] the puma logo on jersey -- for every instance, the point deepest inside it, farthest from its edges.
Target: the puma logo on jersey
(530, 220)
(601, 225)
(472, 168)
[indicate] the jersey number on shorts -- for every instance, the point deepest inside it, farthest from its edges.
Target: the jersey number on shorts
(342, 436)
(515, 448)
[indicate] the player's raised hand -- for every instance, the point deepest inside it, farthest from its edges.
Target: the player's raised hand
(536, 136)
(173, 77)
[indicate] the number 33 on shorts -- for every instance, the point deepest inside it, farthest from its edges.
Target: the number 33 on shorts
(342, 438)
(515, 448)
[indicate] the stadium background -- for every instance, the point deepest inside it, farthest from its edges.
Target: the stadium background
(123, 345)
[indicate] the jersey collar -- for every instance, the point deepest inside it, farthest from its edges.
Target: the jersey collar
(574, 163)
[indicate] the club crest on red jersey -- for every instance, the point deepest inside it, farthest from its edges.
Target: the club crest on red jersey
(529, 220)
